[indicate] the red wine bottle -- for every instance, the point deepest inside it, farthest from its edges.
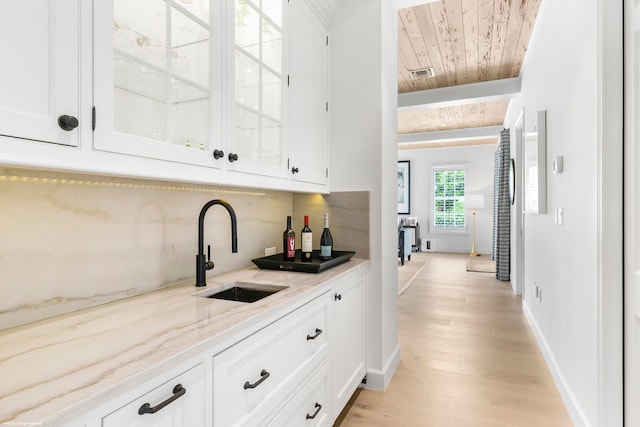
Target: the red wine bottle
(307, 240)
(289, 242)
(326, 241)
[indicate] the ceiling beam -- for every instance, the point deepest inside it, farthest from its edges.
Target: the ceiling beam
(403, 4)
(447, 144)
(493, 90)
(450, 135)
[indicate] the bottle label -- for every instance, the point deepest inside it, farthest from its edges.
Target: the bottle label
(307, 239)
(291, 247)
(325, 251)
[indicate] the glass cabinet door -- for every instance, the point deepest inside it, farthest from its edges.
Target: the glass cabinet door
(158, 54)
(256, 115)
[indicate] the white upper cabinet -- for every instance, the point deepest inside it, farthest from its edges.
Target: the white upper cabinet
(157, 80)
(256, 82)
(39, 76)
(229, 92)
(308, 95)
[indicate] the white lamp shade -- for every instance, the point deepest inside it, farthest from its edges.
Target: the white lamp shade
(474, 201)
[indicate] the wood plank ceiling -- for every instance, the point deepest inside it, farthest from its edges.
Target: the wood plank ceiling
(463, 41)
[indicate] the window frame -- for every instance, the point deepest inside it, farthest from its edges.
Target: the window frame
(447, 229)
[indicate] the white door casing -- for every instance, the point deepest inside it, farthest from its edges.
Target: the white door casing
(632, 214)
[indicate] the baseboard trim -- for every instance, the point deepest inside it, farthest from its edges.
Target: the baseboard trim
(377, 379)
(578, 417)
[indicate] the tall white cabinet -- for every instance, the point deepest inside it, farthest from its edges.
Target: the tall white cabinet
(309, 102)
(39, 76)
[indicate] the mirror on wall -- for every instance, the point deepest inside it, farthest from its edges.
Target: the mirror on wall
(535, 165)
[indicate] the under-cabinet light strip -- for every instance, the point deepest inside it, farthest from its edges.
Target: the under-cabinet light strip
(36, 180)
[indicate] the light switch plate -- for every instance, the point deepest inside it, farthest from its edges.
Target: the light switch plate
(559, 216)
(557, 164)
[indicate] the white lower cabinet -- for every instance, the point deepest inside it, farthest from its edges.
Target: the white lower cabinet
(348, 338)
(311, 406)
(298, 370)
(175, 403)
(252, 379)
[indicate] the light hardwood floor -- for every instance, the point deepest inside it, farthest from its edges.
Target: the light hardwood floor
(469, 358)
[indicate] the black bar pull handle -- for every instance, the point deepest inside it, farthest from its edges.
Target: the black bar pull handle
(263, 376)
(313, 337)
(337, 297)
(178, 391)
(316, 412)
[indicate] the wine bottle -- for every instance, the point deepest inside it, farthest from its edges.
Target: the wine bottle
(326, 241)
(307, 240)
(289, 242)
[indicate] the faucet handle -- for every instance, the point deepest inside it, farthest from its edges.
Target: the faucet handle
(209, 264)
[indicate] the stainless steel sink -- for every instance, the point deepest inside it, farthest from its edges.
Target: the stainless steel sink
(241, 291)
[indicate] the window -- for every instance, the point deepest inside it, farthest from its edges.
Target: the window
(448, 198)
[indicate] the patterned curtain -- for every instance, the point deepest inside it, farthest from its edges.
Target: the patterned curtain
(502, 209)
(496, 184)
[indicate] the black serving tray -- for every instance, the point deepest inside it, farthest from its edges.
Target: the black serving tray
(317, 265)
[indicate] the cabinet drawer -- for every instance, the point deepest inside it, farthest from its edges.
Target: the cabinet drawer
(309, 407)
(254, 376)
(166, 405)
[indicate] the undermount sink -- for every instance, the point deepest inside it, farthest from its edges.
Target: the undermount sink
(241, 291)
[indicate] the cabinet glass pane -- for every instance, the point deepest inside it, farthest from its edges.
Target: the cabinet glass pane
(247, 81)
(140, 29)
(271, 98)
(143, 91)
(190, 49)
(247, 133)
(200, 8)
(273, 10)
(270, 150)
(258, 138)
(189, 112)
(247, 27)
(271, 46)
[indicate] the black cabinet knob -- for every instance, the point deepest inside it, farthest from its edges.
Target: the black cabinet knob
(233, 157)
(67, 123)
(337, 297)
(294, 170)
(217, 154)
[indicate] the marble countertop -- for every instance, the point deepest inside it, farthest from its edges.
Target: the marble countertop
(58, 366)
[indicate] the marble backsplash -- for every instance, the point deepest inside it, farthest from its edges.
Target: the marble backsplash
(348, 219)
(74, 241)
(71, 241)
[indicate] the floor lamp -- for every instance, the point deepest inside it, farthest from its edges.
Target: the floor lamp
(475, 201)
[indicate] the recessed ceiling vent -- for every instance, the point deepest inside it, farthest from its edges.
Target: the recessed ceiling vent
(421, 73)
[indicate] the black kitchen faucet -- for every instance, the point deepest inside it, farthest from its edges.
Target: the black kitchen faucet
(202, 264)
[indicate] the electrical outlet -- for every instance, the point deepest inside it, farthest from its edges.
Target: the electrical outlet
(270, 251)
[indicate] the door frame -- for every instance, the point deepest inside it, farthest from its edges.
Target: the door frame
(517, 216)
(610, 142)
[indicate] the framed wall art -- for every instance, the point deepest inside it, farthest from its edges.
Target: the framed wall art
(404, 182)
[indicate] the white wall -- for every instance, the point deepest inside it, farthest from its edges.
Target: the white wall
(479, 162)
(363, 123)
(562, 74)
